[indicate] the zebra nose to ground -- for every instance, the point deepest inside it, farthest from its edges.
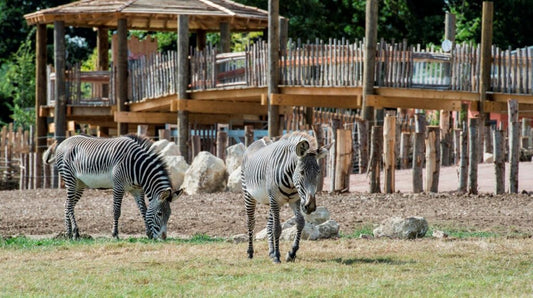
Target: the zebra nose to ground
(310, 205)
(164, 236)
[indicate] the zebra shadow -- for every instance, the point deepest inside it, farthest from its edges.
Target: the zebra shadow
(385, 260)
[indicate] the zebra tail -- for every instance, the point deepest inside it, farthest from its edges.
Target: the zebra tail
(49, 156)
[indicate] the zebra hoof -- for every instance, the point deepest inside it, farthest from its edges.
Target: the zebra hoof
(290, 258)
(276, 261)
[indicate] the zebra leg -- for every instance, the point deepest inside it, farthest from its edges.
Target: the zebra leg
(118, 194)
(274, 231)
(139, 199)
(249, 204)
(73, 196)
(300, 224)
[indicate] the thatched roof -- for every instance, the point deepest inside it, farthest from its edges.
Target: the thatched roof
(154, 15)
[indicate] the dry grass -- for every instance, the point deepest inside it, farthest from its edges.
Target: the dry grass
(343, 267)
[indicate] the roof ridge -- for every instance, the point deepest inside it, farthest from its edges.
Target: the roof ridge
(226, 10)
(126, 4)
(245, 6)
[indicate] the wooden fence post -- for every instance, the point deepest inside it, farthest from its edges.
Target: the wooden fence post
(463, 159)
(432, 159)
(362, 135)
(317, 128)
(222, 143)
(405, 148)
(418, 151)
(473, 157)
(335, 123)
(343, 161)
(376, 149)
(196, 145)
(499, 161)
(389, 160)
(514, 145)
(248, 135)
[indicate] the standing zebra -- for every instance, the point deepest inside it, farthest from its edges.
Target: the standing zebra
(277, 173)
(123, 164)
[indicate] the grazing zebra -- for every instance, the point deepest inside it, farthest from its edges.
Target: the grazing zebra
(277, 173)
(123, 164)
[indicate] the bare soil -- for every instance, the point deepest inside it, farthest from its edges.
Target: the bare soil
(40, 212)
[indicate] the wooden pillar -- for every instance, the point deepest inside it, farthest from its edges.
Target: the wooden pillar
(335, 124)
(41, 126)
(362, 134)
(102, 59)
(473, 144)
(371, 36)
(201, 39)
(60, 94)
(463, 159)
(432, 159)
(405, 148)
(343, 163)
(183, 79)
(273, 65)
(317, 128)
(485, 64)
(445, 127)
(248, 135)
(389, 156)
(122, 72)
(499, 161)
(514, 145)
(222, 144)
(418, 151)
(225, 38)
(376, 150)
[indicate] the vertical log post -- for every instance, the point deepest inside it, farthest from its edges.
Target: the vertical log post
(335, 124)
(376, 150)
(317, 128)
(389, 160)
(41, 126)
(343, 161)
(196, 145)
(222, 144)
(248, 135)
(525, 134)
(463, 158)
(473, 157)
(60, 94)
(273, 66)
(362, 135)
(405, 148)
(142, 130)
(499, 161)
(514, 145)
(183, 80)
(485, 67)
(432, 159)
(122, 72)
(418, 151)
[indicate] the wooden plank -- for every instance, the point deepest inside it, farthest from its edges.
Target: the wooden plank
(410, 93)
(145, 118)
(154, 104)
(77, 111)
(504, 97)
(348, 91)
(379, 101)
(218, 107)
(327, 101)
(240, 94)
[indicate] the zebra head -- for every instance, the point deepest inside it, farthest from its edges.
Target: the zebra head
(158, 213)
(305, 176)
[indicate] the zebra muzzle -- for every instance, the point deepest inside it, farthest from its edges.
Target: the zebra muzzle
(310, 205)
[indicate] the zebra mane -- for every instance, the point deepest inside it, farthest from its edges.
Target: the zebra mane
(297, 136)
(144, 142)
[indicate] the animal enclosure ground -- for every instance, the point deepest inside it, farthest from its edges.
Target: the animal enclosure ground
(40, 212)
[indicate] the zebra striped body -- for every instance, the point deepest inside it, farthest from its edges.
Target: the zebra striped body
(279, 173)
(124, 164)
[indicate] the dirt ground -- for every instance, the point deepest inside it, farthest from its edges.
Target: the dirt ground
(40, 212)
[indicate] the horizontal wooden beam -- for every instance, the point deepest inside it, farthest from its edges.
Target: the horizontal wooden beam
(145, 117)
(238, 94)
(326, 101)
(409, 93)
(158, 104)
(504, 97)
(501, 107)
(380, 101)
(300, 90)
(218, 107)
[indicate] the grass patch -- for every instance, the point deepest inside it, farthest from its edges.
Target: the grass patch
(204, 266)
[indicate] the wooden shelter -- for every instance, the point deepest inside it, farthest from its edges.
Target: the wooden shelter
(185, 16)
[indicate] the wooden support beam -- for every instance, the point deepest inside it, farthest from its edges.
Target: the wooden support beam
(408, 93)
(327, 101)
(244, 94)
(144, 118)
(218, 107)
(156, 104)
(348, 91)
(379, 101)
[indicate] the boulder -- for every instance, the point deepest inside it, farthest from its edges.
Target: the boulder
(165, 148)
(234, 156)
(321, 228)
(403, 228)
(159, 145)
(207, 174)
(234, 181)
(177, 166)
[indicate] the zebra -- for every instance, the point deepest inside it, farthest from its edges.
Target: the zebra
(124, 164)
(277, 173)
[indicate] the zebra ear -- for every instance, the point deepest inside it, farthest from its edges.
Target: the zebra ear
(302, 147)
(166, 195)
(176, 194)
(323, 151)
